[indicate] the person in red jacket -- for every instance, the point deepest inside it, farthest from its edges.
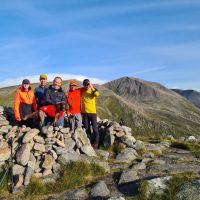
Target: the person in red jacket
(24, 104)
(74, 103)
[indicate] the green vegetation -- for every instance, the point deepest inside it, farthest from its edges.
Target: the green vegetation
(72, 175)
(5, 174)
(168, 194)
(194, 147)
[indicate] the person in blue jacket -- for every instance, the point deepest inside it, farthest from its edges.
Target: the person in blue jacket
(40, 91)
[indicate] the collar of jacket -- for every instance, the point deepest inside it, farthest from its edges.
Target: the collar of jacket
(53, 89)
(22, 89)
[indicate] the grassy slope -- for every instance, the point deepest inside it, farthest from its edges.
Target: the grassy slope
(147, 118)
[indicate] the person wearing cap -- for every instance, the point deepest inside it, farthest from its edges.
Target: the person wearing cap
(88, 109)
(54, 96)
(41, 90)
(74, 106)
(24, 104)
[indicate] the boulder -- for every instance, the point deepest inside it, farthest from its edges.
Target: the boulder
(5, 151)
(48, 162)
(126, 156)
(88, 150)
(189, 191)
(30, 135)
(23, 154)
(128, 176)
(100, 190)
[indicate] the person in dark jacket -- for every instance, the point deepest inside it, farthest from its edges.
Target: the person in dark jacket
(41, 90)
(24, 104)
(54, 96)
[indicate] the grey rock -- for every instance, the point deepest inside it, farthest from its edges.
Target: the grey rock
(53, 154)
(100, 190)
(5, 151)
(32, 161)
(56, 167)
(39, 139)
(157, 185)
(68, 156)
(47, 172)
(30, 135)
(116, 198)
(18, 179)
(80, 137)
(39, 147)
(139, 166)
(189, 191)
(4, 122)
(18, 169)
(48, 162)
(88, 150)
(65, 130)
(139, 145)
(127, 156)
(128, 176)
(102, 153)
(129, 140)
(127, 130)
(28, 173)
(69, 143)
(23, 154)
(5, 129)
(77, 194)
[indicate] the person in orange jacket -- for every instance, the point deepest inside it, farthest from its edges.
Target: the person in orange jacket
(24, 104)
(74, 103)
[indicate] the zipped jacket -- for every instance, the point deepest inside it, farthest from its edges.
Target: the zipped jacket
(74, 101)
(40, 92)
(24, 103)
(53, 96)
(88, 100)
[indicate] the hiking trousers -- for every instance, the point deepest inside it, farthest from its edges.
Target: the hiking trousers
(91, 118)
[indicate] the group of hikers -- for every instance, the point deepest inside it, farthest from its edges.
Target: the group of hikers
(50, 105)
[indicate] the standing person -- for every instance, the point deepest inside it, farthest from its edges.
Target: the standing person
(74, 103)
(88, 109)
(24, 104)
(41, 90)
(55, 102)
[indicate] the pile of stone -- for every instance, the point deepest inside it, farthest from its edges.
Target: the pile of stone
(41, 153)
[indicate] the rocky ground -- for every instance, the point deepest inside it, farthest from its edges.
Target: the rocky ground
(40, 154)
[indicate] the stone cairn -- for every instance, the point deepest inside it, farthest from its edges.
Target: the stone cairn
(40, 153)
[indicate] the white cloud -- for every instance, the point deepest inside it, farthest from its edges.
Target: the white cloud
(148, 70)
(35, 79)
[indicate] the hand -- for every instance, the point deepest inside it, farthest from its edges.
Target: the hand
(91, 86)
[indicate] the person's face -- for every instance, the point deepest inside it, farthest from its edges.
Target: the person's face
(57, 83)
(43, 81)
(26, 86)
(86, 86)
(72, 87)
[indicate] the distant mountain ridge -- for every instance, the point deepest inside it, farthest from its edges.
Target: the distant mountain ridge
(192, 95)
(148, 108)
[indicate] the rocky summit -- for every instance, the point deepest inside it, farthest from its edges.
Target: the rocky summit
(126, 160)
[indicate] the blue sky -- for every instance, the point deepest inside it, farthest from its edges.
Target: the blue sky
(105, 39)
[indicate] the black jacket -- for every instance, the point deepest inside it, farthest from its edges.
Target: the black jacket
(54, 96)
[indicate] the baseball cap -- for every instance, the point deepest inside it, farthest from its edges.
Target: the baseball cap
(73, 82)
(86, 82)
(43, 76)
(25, 81)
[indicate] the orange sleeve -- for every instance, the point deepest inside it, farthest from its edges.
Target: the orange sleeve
(16, 105)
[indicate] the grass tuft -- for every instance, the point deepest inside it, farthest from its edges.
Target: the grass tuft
(72, 175)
